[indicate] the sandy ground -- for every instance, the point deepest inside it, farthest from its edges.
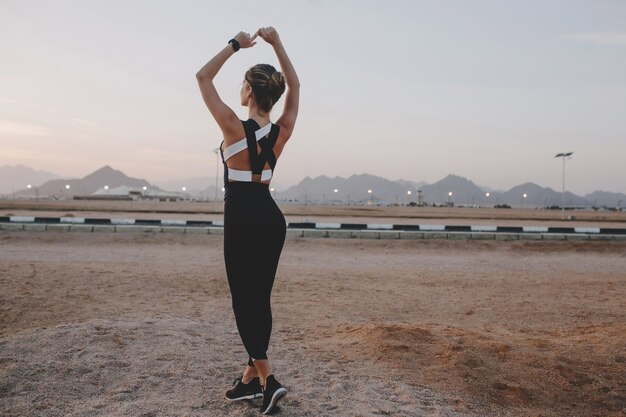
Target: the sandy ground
(141, 325)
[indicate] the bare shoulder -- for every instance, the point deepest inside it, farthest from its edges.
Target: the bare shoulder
(235, 133)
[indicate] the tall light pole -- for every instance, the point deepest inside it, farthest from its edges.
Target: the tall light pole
(217, 166)
(565, 156)
(36, 191)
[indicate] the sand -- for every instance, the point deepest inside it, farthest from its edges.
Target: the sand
(101, 324)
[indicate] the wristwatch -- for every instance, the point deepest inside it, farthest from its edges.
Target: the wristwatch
(234, 43)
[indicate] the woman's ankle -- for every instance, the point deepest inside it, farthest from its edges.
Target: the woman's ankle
(249, 374)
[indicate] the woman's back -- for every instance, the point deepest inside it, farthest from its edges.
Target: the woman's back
(236, 153)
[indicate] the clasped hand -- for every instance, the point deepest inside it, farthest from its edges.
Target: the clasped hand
(268, 34)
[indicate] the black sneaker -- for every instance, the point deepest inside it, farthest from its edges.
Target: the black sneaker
(243, 391)
(271, 394)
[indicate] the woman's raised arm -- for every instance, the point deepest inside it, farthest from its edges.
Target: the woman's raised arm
(224, 115)
(287, 120)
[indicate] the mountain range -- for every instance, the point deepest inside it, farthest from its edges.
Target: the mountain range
(453, 189)
(14, 178)
(356, 189)
(83, 186)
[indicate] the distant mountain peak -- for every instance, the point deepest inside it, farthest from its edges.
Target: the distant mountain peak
(105, 169)
(453, 179)
(106, 172)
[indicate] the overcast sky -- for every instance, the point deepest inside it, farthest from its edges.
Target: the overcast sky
(488, 90)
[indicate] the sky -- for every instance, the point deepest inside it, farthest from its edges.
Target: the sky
(412, 90)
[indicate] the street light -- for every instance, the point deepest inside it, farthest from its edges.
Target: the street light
(521, 200)
(449, 197)
(29, 186)
(36, 191)
(565, 156)
(217, 166)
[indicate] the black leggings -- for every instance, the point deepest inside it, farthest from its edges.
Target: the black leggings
(254, 234)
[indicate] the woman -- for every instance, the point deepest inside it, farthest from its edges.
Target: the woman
(254, 226)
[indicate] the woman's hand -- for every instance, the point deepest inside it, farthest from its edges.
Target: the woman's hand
(245, 40)
(269, 35)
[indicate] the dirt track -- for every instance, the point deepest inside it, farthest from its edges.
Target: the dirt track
(141, 324)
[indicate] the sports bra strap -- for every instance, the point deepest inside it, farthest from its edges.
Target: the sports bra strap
(250, 129)
(257, 159)
(267, 148)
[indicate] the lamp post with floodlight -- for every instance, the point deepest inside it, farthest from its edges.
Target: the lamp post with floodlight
(565, 156)
(217, 165)
(29, 186)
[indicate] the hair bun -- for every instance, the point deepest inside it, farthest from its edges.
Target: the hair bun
(276, 85)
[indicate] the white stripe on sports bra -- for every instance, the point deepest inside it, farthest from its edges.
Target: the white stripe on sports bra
(243, 144)
(237, 175)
